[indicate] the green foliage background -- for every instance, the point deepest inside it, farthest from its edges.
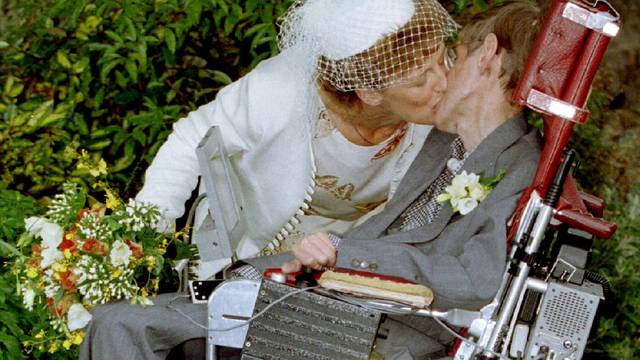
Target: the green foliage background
(111, 76)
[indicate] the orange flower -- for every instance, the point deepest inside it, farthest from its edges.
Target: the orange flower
(136, 249)
(99, 212)
(93, 246)
(82, 213)
(68, 281)
(36, 250)
(62, 307)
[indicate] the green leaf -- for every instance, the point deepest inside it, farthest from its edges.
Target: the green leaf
(106, 69)
(221, 77)
(132, 69)
(81, 65)
(113, 36)
(16, 90)
(63, 59)
(480, 5)
(170, 39)
(139, 136)
(460, 6)
(7, 250)
(99, 145)
(131, 34)
(193, 9)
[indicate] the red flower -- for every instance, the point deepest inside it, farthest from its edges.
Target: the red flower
(136, 249)
(68, 245)
(93, 246)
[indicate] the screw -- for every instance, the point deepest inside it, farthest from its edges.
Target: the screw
(567, 344)
(247, 344)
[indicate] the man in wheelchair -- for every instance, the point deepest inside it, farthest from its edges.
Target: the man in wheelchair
(444, 228)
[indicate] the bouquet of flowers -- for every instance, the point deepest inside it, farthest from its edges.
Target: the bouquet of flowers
(75, 258)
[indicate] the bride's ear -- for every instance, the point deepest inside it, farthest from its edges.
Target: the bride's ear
(370, 97)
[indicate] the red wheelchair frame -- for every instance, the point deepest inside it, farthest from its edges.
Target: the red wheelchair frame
(556, 82)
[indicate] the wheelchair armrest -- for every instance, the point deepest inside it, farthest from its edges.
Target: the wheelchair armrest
(595, 226)
(594, 204)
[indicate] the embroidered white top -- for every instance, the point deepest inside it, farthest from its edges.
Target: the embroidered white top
(351, 180)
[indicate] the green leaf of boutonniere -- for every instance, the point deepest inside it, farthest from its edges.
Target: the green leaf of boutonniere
(491, 182)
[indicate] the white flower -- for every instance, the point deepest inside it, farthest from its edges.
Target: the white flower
(49, 256)
(28, 296)
(457, 189)
(477, 191)
(465, 205)
(50, 233)
(78, 317)
(119, 254)
(34, 224)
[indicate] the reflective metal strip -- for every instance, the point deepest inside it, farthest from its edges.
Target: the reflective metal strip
(601, 21)
(547, 104)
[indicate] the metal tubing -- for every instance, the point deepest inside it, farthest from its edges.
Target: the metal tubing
(537, 285)
(528, 216)
(517, 285)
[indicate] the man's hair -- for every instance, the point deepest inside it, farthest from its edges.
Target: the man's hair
(516, 25)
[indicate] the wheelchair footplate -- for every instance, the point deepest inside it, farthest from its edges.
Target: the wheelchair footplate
(308, 325)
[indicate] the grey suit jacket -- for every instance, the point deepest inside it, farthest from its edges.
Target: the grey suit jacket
(461, 258)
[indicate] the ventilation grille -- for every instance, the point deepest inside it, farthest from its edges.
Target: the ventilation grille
(567, 314)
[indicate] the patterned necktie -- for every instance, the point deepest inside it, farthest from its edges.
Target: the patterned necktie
(426, 207)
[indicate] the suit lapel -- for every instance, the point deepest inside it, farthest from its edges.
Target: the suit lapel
(427, 166)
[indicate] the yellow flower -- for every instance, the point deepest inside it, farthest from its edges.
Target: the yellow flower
(67, 254)
(66, 344)
(112, 200)
(40, 334)
(59, 267)
(115, 273)
(78, 337)
(86, 163)
(69, 236)
(32, 272)
(53, 347)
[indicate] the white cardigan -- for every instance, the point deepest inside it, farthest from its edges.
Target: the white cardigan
(269, 148)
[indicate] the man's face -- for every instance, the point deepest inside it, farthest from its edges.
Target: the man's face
(462, 82)
(416, 101)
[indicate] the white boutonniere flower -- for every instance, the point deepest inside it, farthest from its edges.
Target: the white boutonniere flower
(467, 190)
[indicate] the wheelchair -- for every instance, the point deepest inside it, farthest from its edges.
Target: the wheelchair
(548, 300)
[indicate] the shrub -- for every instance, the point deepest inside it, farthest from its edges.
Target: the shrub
(112, 76)
(14, 207)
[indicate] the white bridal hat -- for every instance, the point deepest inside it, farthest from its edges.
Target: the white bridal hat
(366, 44)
